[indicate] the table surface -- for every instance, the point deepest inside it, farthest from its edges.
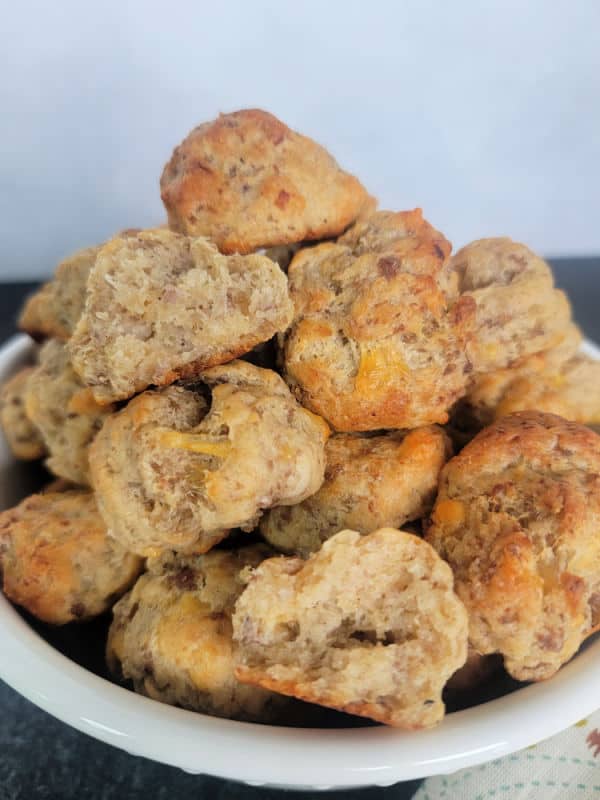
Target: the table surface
(44, 759)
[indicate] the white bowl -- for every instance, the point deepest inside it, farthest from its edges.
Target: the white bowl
(277, 756)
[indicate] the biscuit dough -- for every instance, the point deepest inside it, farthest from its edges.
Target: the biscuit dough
(517, 518)
(161, 306)
(64, 411)
(57, 560)
(518, 309)
(379, 337)
(171, 635)
(169, 473)
(370, 482)
(369, 625)
(247, 181)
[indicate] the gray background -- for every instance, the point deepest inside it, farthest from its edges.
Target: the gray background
(486, 114)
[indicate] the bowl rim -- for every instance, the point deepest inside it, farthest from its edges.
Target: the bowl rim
(279, 756)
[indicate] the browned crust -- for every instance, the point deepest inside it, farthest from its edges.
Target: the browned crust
(294, 191)
(48, 545)
(189, 371)
(370, 482)
(110, 381)
(380, 336)
(31, 319)
(256, 677)
(482, 526)
(403, 401)
(522, 434)
(195, 368)
(519, 310)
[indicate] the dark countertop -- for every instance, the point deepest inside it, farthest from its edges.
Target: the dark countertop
(41, 758)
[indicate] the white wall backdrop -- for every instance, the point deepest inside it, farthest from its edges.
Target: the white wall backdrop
(486, 114)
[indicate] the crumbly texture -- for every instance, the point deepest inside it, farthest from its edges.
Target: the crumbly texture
(370, 482)
(171, 635)
(247, 181)
(478, 408)
(161, 306)
(22, 436)
(170, 475)
(519, 311)
(54, 310)
(517, 518)
(57, 560)
(64, 411)
(380, 335)
(369, 625)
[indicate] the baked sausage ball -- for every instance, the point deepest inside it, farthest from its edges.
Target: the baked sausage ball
(369, 625)
(370, 482)
(517, 518)
(64, 411)
(170, 475)
(171, 635)
(54, 310)
(379, 336)
(519, 311)
(57, 560)
(22, 436)
(478, 408)
(247, 181)
(572, 392)
(161, 306)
